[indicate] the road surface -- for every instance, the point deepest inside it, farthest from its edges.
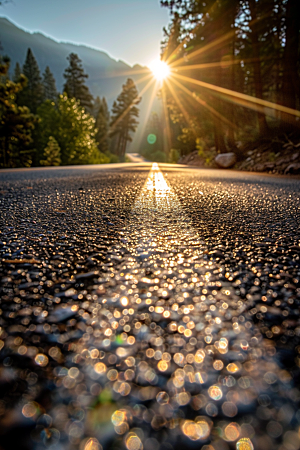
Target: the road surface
(149, 307)
(135, 157)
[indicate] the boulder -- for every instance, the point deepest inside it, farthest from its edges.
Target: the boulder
(225, 160)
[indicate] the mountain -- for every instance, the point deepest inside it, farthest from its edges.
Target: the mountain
(106, 75)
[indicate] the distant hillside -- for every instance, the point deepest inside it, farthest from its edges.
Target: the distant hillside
(106, 75)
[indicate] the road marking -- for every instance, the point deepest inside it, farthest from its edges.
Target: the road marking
(160, 223)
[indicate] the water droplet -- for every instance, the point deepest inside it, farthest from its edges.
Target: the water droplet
(244, 444)
(93, 444)
(41, 360)
(195, 431)
(215, 393)
(133, 442)
(162, 398)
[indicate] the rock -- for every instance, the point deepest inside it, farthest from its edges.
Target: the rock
(268, 166)
(225, 160)
(258, 167)
(293, 168)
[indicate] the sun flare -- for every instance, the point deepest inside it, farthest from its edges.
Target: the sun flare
(160, 69)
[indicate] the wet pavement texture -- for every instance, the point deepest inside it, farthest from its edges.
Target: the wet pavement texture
(149, 308)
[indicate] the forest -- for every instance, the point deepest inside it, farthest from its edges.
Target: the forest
(234, 86)
(234, 75)
(41, 127)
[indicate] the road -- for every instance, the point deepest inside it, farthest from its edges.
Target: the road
(149, 307)
(135, 158)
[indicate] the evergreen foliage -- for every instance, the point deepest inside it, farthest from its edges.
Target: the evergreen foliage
(16, 122)
(50, 92)
(96, 106)
(250, 47)
(32, 95)
(102, 126)
(17, 73)
(152, 140)
(124, 115)
(51, 153)
(75, 86)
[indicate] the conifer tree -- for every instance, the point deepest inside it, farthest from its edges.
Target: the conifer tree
(51, 153)
(32, 94)
(75, 86)
(50, 92)
(17, 73)
(124, 114)
(102, 126)
(96, 106)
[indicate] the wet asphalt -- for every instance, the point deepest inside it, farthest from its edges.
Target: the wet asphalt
(149, 307)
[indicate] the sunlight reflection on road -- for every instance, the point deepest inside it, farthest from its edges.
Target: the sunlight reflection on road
(166, 226)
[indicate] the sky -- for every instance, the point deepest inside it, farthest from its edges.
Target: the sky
(129, 30)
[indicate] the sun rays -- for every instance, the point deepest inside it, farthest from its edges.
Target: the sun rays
(173, 77)
(160, 69)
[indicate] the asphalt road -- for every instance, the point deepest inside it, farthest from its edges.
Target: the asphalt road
(149, 308)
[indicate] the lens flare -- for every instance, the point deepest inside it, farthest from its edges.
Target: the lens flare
(160, 69)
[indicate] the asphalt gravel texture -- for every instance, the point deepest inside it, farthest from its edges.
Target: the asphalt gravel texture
(147, 308)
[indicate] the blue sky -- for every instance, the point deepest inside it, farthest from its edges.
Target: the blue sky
(127, 30)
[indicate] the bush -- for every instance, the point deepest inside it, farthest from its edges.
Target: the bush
(174, 156)
(51, 153)
(204, 152)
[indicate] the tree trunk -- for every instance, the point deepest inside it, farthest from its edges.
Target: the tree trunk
(262, 124)
(119, 146)
(231, 139)
(219, 136)
(290, 80)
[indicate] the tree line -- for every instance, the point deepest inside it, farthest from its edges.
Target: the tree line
(41, 127)
(235, 70)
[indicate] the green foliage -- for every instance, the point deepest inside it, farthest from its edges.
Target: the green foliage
(51, 153)
(155, 156)
(17, 73)
(16, 122)
(62, 132)
(124, 115)
(32, 94)
(50, 92)
(152, 139)
(174, 156)
(74, 130)
(102, 125)
(76, 135)
(206, 153)
(75, 86)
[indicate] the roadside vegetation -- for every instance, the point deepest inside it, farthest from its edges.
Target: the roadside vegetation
(41, 127)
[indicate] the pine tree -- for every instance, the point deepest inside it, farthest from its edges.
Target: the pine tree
(32, 94)
(102, 126)
(51, 153)
(96, 106)
(17, 73)
(50, 92)
(124, 116)
(75, 86)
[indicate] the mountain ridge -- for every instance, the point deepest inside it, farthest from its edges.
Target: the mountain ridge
(106, 75)
(48, 52)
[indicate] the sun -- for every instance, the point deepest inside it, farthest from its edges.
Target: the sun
(160, 69)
